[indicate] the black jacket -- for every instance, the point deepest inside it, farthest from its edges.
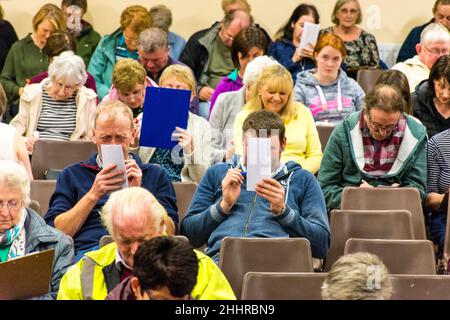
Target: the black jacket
(425, 111)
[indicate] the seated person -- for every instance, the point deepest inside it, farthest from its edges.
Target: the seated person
(83, 188)
(208, 54)
(122, 43)
(133, 216)
(248, 44)
(357, 276)
(431, 100)
(378, 146)
(57, 43)
(86, 37)
(12, 146)
(438, 184)
(189, 161)
(129, 81)
(434, 43)
(362, 48)
(273, 92)
(290, 204)
(26, 57)
(228, 105)
(22, 231)
(327, 90)
(162, 19)
(60, 107)
(285, 48)
(441, 14)
(165, 268)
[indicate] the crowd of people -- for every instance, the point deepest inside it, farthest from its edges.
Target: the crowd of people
(64, 82)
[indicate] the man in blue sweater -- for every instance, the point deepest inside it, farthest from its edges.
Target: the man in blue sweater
(289, 204)
(83, 188)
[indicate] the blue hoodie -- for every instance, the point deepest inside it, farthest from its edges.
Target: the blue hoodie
(305, 214)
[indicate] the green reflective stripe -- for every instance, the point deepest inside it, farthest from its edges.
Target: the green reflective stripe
(87, 278)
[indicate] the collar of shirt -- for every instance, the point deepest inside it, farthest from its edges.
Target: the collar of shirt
(120, 262)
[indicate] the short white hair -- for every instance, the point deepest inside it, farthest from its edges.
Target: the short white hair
(255, 67)
(129, 202)
(68, 68)
(434, 32)
(14, 176)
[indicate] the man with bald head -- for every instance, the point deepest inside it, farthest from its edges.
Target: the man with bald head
(132, 216)
(208, 54)
(378, 146)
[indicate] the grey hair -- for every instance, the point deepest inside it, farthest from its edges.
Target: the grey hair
(69, 68)
(152, 39)
(434, 32)
(255, 67)
(14, 176)
(130, 202)
(161, 17)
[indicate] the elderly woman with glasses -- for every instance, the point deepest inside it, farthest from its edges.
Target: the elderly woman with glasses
(23, 231)
(60, 107)
(362, 49)
(378, 146)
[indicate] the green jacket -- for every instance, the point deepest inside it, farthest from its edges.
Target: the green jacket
(87, 41)
(343, 160)
(211, 282)
(102, 63)
(23, 61)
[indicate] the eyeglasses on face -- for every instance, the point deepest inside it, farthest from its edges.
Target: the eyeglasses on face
(378, 127)
(11, 204)
(437, 51)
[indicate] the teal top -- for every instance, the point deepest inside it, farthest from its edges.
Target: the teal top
(4, 253)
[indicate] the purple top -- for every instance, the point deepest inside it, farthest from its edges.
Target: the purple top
(90, 82)
(232, 82)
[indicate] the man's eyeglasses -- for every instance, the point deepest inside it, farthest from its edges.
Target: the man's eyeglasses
(378, 127)
(437, 51)
(11, 204)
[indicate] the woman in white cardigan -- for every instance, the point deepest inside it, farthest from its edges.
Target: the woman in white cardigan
(195, 140)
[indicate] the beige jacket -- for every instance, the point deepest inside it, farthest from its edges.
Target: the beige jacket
(414, 70)
(196, 163)
(30, 108)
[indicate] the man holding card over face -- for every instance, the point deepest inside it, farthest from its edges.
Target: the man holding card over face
(257, 195)
(83, 188)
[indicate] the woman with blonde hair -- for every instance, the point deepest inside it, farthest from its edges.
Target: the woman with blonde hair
(122, 43)
(26, 57)
(194, 142)
(273, 92)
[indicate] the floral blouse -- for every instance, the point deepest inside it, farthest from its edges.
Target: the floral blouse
(362, 52)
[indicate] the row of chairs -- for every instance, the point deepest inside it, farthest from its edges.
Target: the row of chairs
(307, 286)
(238, 256)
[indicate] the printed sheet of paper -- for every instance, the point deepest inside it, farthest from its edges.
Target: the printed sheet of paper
(309, 35)
(113, 154)
(259, 163)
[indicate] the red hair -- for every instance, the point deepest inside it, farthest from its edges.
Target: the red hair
(332, 40)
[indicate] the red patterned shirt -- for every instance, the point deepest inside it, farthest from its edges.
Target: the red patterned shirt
(379, 156)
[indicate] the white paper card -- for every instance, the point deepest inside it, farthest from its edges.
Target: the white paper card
(259, 163)
(309, 35)
(113, 154)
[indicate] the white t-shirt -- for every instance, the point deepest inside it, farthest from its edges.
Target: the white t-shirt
(7, 135)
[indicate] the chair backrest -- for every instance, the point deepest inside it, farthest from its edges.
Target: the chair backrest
(282, 286)
(420, 287)
(48, 154)
(41, 191)
(324, 134)
(184, 192)
(367, 78)
(354, 198)
(241, 255)
(399, 256)
(368, 224)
